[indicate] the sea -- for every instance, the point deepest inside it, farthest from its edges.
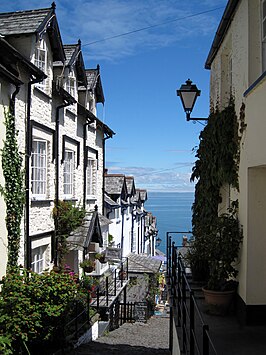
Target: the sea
(173, 213)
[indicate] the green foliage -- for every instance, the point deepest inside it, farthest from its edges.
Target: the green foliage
(153, 288)
(69, 218)
(222, 245)
(35, 307)
(216, 238)
(217, 164)
(5, 344)
(13, 191)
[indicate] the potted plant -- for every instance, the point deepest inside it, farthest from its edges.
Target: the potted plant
(87, 265)
(100, 257)
(222, 246)
(110, 240)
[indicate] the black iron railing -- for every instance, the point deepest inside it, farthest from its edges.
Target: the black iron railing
(193, 334)
(111, 285)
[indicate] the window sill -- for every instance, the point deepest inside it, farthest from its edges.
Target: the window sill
(70, 199)
(42, 91)
(35, 201)
(255, 84)
(91, 197)
(72, 112)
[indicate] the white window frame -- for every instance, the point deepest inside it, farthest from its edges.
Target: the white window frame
(71, 84)
(39, 168)
(40, 60)
(91, 175)
(38, 259)
(69, 173)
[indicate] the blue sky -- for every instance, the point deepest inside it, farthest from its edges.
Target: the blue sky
(140, 74)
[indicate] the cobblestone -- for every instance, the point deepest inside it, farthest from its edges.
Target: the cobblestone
(151, 338)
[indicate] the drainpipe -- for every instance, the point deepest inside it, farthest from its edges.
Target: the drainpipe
(12, 100)
(103, 184)
(85, 161)
(57, 124)
(27, 174)
(133, 218)
(122, 228)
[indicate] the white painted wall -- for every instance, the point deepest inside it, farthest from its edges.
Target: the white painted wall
(242, 43)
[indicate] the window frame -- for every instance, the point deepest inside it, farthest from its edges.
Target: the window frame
(69, 164)
(263, 35)
(70, 84)
(42, 64)
(37, 157)
(91, 177)
(38, 263)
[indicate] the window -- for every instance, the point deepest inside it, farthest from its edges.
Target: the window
(38, 259)
(71, 84)
(69, 164)
(40, 59)
(91, 177)
(263, 34)
(39, 168)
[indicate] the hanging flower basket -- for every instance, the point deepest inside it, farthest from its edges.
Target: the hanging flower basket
(87, 265)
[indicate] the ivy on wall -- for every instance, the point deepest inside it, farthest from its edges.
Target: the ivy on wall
(13, 190)
(69, 218)
(217, 164)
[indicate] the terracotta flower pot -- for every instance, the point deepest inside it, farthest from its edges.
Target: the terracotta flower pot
(218, 301)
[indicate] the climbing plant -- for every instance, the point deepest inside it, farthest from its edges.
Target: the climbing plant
(13, 189)
(217, 165)
(69, 217)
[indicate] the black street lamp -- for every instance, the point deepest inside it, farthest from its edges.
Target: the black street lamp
(188, 94)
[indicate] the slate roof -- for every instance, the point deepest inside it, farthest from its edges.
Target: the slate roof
(34, 21)
(114, 184)
(95, 83)
(103, 220)
(143, 194)
(26, 22)
(73, 56)
(136, 198)
(88, 232)
(130, 185)
(141, 263)
(109, 202)
(69, 51)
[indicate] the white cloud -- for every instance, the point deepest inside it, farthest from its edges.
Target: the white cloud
(156, 180)
(98, 19)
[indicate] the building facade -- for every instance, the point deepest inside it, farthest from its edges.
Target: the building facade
(237, 63)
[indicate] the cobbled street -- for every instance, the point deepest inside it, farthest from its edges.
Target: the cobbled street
(151, 338)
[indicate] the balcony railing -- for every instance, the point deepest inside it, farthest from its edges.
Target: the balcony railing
(112, 285)
(193, 333)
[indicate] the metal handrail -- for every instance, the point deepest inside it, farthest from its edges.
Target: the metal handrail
(184, 306)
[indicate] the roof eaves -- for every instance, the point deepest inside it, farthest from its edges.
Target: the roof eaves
(35, 71)
(221, 31)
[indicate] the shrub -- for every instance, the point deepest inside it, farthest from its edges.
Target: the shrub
(34, 307)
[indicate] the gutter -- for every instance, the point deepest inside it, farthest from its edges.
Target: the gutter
(221, 31)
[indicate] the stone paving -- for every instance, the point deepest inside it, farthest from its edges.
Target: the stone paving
(151, 338)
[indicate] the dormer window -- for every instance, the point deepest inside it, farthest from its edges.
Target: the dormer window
(40, 58)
